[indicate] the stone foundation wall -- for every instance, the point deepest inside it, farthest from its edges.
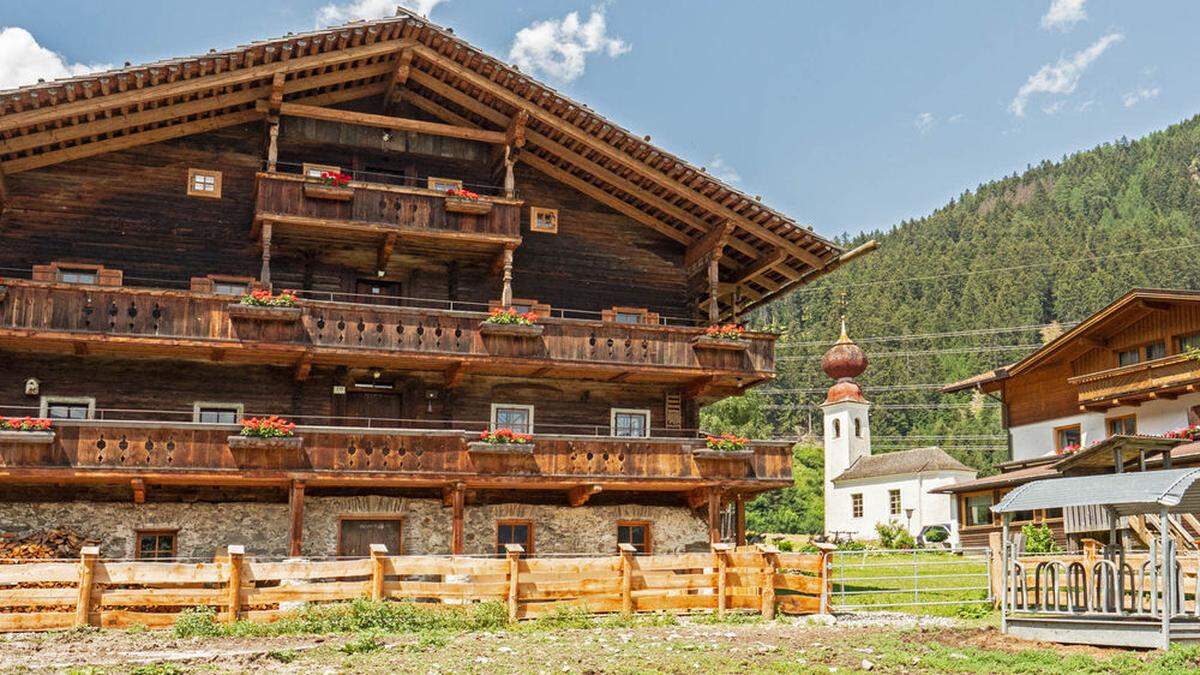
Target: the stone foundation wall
(204, 528)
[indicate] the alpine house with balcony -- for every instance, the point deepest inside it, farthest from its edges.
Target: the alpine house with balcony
(323, 228)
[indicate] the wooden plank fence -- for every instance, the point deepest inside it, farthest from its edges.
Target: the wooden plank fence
(120, 594)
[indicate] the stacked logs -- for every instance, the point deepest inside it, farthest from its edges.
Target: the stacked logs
(41, 545)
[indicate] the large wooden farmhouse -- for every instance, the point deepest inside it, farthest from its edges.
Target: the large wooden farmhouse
(403, 184)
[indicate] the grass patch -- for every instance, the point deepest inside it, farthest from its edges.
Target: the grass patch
(363, 644)
(889, 580)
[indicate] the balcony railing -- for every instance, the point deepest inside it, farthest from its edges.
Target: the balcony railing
(419, 457)
(293, 201)
(1169, 374)
(188, 324)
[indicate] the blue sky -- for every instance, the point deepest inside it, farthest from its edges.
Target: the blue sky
(846, 115)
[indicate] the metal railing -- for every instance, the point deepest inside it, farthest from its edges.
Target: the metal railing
(389, 178)
(878, 579)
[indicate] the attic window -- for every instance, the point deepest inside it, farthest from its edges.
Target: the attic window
(444, 184)
(543, 220)
(315, 170)
(73, 275)
(204, 183)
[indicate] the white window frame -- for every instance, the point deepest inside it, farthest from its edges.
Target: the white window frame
(612, 420)
(521, 406)
(197, 405)
(47, 401)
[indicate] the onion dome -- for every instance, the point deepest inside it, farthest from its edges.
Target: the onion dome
(844, 360)
(845, 390)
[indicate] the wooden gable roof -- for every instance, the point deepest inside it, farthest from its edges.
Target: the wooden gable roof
(763, 252)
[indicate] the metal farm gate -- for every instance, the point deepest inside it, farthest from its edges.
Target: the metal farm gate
(878, 579)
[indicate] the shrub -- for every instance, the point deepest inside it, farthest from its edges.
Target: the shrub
(894, 536)
(197, 622)
(362, 644)
(357, 616)
(785, 546)
(1039, 539)
(937, 535)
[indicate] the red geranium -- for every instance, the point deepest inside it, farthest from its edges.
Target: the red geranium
(505, 437)
(511, 316)
(465, 194)
(268, 427)
(335, 178)
(729, 331)
(26, 424)
(264, 298)
(727, 442)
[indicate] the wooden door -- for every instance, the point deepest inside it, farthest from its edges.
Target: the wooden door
(355, 536)
(376, 406)
(377, 292)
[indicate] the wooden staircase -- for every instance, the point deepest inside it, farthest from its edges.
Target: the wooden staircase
(1184, 530)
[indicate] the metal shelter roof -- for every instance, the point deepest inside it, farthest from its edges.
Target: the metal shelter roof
(1131, 493)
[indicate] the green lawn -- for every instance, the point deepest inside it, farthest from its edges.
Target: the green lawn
(905, 582)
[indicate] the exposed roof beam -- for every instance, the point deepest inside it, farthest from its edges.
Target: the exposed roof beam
(386, 122)
(712, 243)
(399, 77)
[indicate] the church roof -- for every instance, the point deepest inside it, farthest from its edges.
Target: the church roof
(918, 460)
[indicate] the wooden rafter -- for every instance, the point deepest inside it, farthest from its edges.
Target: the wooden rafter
(399, 77)
(386, 122)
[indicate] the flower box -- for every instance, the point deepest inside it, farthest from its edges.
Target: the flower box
(722, 455)
(467, 205)
(331, 192)
(282, 443)
(238, 310)
(503, 449)
(26, 437)
(511, 329)
(723, 344)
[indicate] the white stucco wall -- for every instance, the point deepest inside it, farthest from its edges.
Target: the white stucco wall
(1153, 417)
(928, 509)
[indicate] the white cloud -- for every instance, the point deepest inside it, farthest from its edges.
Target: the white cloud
(1053, 108)
(1063, 14)
(717, 168)
(924, 122)
(956, 118)
(1143, 94)
(23, 61)
(1061, 77)
(333, 13)
(1086, 105)
(559, 48)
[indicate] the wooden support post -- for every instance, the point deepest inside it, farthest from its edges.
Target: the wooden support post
(378, 559)
(510, 181)
(139, 490)
(234, 587)
(714, 515)
(513, 553)
(714, 284)
(457, 498)
(627, 551)
(87, 573)
(824, 576)
(739, 502)
(720, 570)
(996, 566)
(272, 143)
(770, 563)
(296, 517)
(265, 273)
(506, 294)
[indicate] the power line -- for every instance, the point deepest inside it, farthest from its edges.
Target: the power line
(888, 406)
(925, 352)
(932, 386)
(932, 336)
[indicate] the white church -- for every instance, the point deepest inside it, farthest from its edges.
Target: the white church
(861, 489)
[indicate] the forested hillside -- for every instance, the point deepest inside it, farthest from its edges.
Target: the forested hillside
(1003, 266)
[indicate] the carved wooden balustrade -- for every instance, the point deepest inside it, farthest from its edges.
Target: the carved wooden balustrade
(1177, 373)
(184, 324)
(397, 456)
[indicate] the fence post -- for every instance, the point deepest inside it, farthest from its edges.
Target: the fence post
(770, 562)
(234, 589)
(513, 553)
(627, 551)
(995, 567)
(378, 557)
(87, 572)
(720, 564)
(1090, 549)
(825, 578)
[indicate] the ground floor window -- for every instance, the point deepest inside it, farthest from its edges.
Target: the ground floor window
(355, 536)
(636, 534)
(978, 510)
(856, 505)
(514, 532)
(155, 544)
(1125, 425)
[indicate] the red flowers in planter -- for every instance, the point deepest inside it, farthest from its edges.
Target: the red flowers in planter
(464, 194)
(1069, 449)
(335, 178)
(729, 331)
(27, 424)
(727, 443)
(1191, 433)
(505, 437)
(264, 298)
(510, 316)
(268, 427)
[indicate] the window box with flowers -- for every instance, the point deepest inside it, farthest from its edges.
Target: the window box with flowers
(727, 337)
(262, 305)
(511, 323)
(333, 185)
(26, 430)
(459, 200)
(1191, 433)
(266, 433)
(501, 442)
(724, 448)
(1068, 449)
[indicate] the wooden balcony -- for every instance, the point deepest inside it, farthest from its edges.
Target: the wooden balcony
(133, 322)
(377, 215)
(1166, 377)
(186, 453)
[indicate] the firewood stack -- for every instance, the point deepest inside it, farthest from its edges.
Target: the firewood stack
(42, 545)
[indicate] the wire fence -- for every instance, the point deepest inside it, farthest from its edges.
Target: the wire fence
(879, 579)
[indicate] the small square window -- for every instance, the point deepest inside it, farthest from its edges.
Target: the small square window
(444, 184)
(630, 423)
(1067, 436)
(69, 275)
(1155, 350)
(204, 183)
(315, 170)
(856, 505)
(516, 418)
(894, 505)
(155, 544)
(1187, 343)
(978, 510)
(217, 413)
(1122, 426)
(67, 408)
(636, 534)
(514, 532)
(543, 220)
(1129, 357)
(230, 288)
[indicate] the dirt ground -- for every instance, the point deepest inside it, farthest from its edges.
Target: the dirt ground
(868, 642)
